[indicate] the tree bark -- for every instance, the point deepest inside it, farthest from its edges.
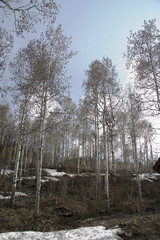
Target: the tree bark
(21, 135)
(97, 163)
(40, 157)
(106, 166)
(41, 137)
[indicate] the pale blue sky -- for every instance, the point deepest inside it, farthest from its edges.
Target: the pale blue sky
(100, 28)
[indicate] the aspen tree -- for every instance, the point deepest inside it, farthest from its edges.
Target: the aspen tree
(6, 44)
(134, 116)
(43, 112)
(122, 130)
(16, 168)
(106, 159)
(92, 90)
(146, 133)
(23, 87)
(68, 119)
(143, 57)
(7, 126)
(109, 94)
(49, 74)
(85, 120)
(25, 15)
(102, 88)
(22, 17)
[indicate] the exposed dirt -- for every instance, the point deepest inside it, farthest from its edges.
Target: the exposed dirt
(72, 202)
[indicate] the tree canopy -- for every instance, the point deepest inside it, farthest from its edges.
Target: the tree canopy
(143, 57)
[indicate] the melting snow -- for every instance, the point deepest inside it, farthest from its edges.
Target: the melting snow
(52, 179)
(17, 194)
(54, 173)
(87, 233)
(148, 176)
(5, 197)
(7, 171)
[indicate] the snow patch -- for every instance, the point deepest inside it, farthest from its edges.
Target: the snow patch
(54, 173)
(44, 180)
(17, 194)
(52, 179)
(7, 171)
(5, 197)
(87, 233)
(148, 176)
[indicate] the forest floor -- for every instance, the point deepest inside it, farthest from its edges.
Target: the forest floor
(69, 202)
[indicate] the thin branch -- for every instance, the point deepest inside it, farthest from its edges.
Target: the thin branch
(20, 9)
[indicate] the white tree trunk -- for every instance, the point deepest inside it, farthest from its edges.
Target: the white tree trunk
(41, 137)
(25, 158)
(40, 157)
(97, 163)
(21, 164)
(18, 155)
(106, 166)
(151, 151)
(146, 153)
(124, 151)
(113, 156)
(137, 166)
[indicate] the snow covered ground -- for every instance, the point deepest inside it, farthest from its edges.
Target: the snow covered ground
(87, 233)
(54, 173)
